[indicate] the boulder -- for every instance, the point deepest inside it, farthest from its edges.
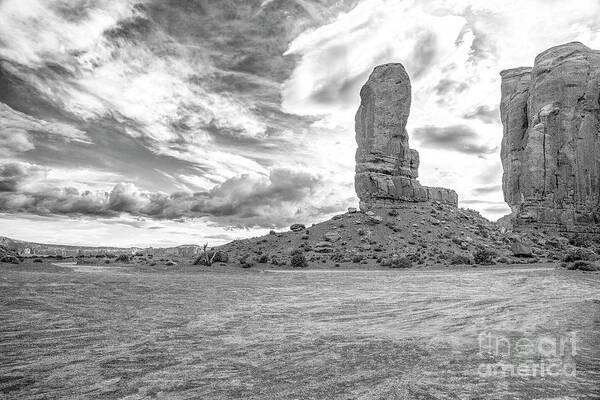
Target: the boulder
(297, 227)
(386, 167)
(332, 236)
(323, 247)
(520, 249)
(551, 146)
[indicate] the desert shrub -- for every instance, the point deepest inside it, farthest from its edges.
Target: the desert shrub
(357, 258)
(585, 266)
(246, 261)
(106, 261)
(299, 260)
(401, 262)
(482, 230)
(9, 259)
(123, 258)
(337, 257)
(577, 255)
(275, 260)
(578, 240)
(459, 259)
(581, 266)
(210, 257)
(385, 262)
(483, 256)
(263, 259)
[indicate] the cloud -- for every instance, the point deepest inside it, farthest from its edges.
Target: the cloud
(245, 200)
(14, 141)
(12, 175)
(459, 138)
(20, 124)
(483, 190)
(449, 86)
(485, 114)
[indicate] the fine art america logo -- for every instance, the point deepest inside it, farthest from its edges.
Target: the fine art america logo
(527, 357)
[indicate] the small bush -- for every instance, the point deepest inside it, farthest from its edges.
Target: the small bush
(357, 258)
(263, 259)
(246, 261)
(459, 259)
(401, 262)
(299, 260)
(9, 259)
(578, 240)
(337, 257)
(577, 255)
(210, 257)
(581, 266)
(123, 258)
(483, 256)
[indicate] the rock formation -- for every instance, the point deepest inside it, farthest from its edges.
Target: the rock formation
(386, 168)
(550, 146)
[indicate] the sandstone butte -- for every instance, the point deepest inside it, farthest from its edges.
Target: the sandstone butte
(550, 148)
(386, 167)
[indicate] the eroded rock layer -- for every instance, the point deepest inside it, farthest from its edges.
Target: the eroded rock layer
(386, 168)
(550, 146)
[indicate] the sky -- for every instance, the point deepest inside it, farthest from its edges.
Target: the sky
(167, 122)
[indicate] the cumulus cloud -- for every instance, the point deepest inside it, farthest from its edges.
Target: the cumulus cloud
(245, 200)
(459, 138)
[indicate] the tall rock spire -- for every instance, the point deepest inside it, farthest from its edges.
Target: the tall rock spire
(386, 168)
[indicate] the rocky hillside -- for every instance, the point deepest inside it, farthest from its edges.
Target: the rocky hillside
(416, 234)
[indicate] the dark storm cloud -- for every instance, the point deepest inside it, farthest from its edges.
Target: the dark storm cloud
(459, 138)
(244, 200)
(485, 114)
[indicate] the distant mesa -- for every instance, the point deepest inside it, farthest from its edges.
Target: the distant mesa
(550, 147)
(386, 167)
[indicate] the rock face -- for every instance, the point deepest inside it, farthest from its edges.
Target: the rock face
(386, 168)
(551, 145)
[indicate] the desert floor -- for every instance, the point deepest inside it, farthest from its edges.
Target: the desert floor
(116, 331)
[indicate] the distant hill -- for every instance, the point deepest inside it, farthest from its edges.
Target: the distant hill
(42, 249)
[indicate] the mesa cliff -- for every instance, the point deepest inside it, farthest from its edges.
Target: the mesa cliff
(550, 147)
(386, 167)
